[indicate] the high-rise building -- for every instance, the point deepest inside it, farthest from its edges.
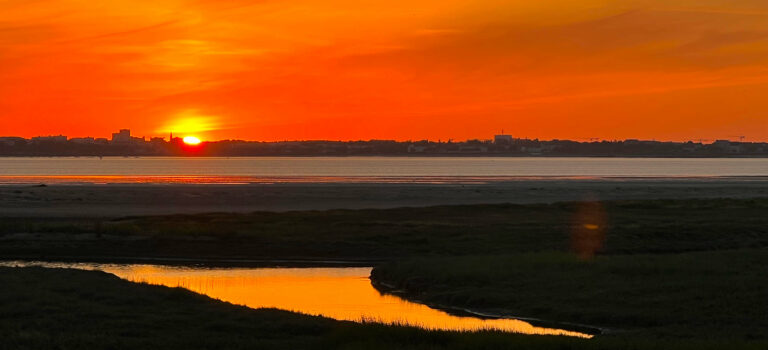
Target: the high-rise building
(502, 138)
(124, 136)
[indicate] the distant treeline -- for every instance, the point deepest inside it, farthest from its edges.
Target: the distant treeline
(514, 147)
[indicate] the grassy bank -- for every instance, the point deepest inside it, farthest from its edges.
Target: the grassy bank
(655, 226)
(72, 309)
(704, 295)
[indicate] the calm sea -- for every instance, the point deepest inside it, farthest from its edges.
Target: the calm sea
(361, 169)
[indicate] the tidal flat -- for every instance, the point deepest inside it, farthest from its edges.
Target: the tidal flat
(104, 198)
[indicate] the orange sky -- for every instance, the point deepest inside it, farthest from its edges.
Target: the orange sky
(359, 69)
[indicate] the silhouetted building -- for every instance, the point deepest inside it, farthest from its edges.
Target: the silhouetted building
(124, 136)
(727, 146)
(502, 139)
(83, 140)
(12, 141)
(57, 138)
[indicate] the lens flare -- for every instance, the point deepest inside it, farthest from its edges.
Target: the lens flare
(588, 229)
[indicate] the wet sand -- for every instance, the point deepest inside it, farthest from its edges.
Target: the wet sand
(115, 200)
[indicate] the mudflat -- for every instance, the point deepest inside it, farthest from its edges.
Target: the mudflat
(116, 200)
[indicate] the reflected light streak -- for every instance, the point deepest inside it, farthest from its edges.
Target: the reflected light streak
(338, 293)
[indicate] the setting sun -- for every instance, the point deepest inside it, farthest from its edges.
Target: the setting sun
(191, 140)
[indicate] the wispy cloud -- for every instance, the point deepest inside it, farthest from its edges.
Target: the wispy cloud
(210, 66)
(190, 121)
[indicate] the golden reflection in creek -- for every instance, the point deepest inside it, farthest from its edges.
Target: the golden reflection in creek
(338, 293)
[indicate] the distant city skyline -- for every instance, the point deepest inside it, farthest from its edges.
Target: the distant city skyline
(123, 143)
(125, 134)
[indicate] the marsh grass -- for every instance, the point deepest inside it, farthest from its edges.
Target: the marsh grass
(719, 294)
(677, 274)
(629, 227)
(74, 309)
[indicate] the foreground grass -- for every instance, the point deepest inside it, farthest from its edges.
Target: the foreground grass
(705, 295)
(653, 226)
(662, 273)
(72, 309)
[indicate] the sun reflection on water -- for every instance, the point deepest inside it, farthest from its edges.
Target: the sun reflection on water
(338, 293)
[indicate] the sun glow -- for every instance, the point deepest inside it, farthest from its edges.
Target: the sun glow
(190, 122)
(191, 140)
